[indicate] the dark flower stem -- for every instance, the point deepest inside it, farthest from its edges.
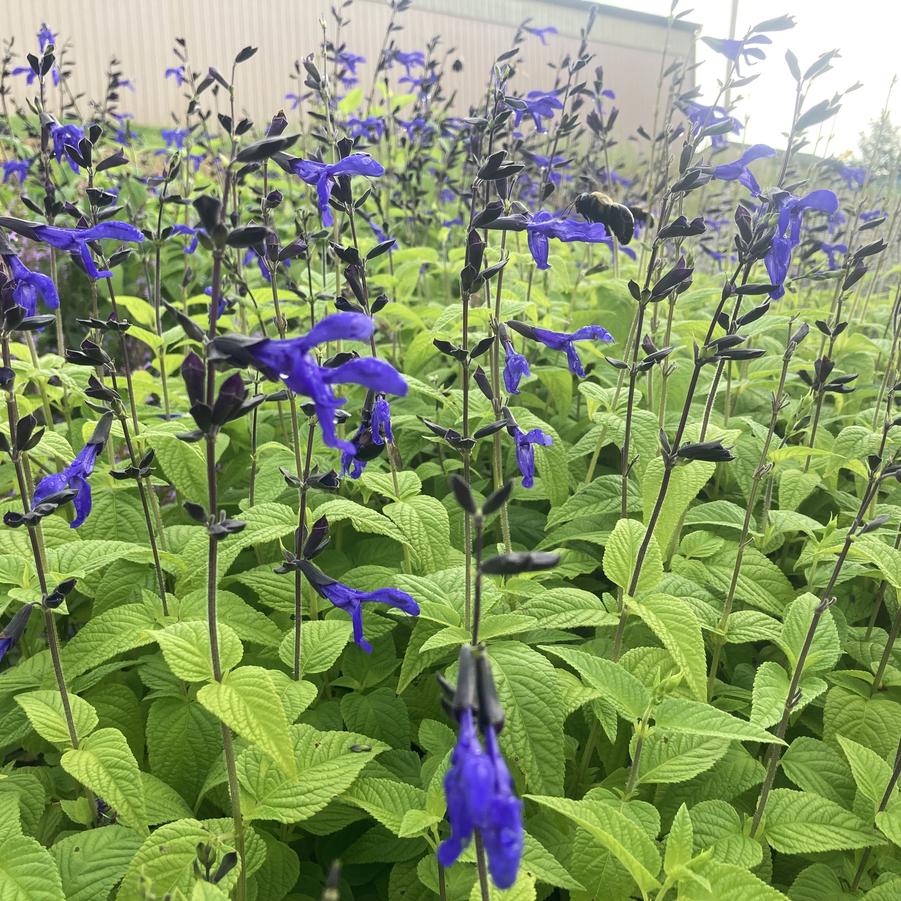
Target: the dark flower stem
(774, 753)
(23, 478)
(760, 472)
(298, 550)
(477, 605)
(482, 867)
(145, 506)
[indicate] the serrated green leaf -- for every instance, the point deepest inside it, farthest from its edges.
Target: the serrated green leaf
(798, 822)
(186, 650)
(46, 714)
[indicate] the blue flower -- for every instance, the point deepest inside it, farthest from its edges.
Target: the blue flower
(14, 629)
(31, 285)
(832, 252)
(323, 176)
(525, 450)
(788, 231)
(739, 171)
(381, 421)
(372, 127)
(175, 137)
(541, 32)
(76, 240)
(701, 116)
(349, 61)
(539, 105)
(543, 226)
(502, 830)
(178, 73)
(564, 341)
(853, 176)
(74, 477)
(17, 168)
(516, 367)
(180, 229)
(415, 58)
(479, 793)
(64, 135)
(45, 37)
(468, 787)
(351, 600)
(739, 51)
(291, 361)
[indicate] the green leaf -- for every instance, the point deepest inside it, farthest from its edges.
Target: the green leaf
(106, 636)
(247, 702)
(385, 800)
(684, 485)
(771, 686)
(425, 525)
(93, 861)
(874, 722)
(627, 694)
(819, 767)
(363, 519)
(328, 763)
(166, 858)
(727, 883)
(104, 763)
(28, 872)
(601, 497)
(621, 555)
(186, 650)
(697, 718)
(322, 642)
(533, 735)
(628, 843)
(870, 771)
(380, 713)
(678, 757)
(679, 842)
(46, 714)
(804, 823)
(826, 647)
(183, 742)
(719, 829)
(674, 623)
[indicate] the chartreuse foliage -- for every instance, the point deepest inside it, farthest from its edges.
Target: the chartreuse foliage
(697, 694)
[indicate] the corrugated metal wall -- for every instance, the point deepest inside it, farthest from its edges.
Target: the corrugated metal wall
(141, 32)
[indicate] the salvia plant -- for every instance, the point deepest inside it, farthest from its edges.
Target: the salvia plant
(402, 504)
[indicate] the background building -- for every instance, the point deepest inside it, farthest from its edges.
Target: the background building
(140, 33)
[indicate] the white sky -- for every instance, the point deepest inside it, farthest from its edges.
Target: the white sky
(865, 31)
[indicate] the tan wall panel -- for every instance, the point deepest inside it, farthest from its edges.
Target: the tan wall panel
(140, 33)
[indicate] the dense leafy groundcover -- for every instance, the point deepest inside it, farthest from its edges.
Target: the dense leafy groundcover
(345, 555)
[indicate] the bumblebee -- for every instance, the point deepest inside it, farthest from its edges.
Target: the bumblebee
(598, 207)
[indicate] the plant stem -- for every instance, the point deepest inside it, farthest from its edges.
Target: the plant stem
(23, 478)
(481, 866)
(477, 606)
(792, 696)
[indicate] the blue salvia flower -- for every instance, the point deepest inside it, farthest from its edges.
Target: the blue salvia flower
(502, 832)
(349, 61)
(468, 788)
(291, 361)
(702, 116)
(854, 177)
(17, 168)
(739, 171)
(178, 73)
(181, 229)
(740, 50)
(323, 176)
(516, 367)
(564, 341)
(75, 475)
(788, 231)
(14, 629)
(540, 33)
(540, 105)
(833, 252)
(351, 600)
(543, 226)
(30, 285)
(413, 59)
(525, 449)
(381, 421)
(478, 786)
(174, 138)
(63, 136)
(76, 241)
(372, 127)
